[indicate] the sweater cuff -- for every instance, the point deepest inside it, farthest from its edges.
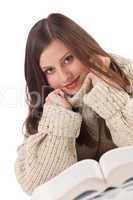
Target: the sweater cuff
(60, 121)
(106, 100)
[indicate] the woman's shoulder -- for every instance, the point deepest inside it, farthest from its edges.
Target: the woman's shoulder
(126, 64)
(121, 59)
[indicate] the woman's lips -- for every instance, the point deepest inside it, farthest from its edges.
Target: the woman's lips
(73, 84)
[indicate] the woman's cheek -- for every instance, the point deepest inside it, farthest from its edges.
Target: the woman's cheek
(53, 82)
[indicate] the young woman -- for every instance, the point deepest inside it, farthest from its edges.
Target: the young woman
(79, 98)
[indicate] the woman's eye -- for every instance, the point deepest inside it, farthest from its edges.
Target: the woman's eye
(68, 59)
(49, 71)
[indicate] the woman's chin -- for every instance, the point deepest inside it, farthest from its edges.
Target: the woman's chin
(73, 91)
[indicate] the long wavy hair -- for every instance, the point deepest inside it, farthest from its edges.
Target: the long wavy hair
(84, 47)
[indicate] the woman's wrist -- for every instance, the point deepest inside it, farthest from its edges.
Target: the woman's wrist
(105, 100)
(60, 121)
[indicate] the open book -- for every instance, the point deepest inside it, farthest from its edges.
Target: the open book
(90, 178)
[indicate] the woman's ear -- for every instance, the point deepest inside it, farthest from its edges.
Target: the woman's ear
(105, 62)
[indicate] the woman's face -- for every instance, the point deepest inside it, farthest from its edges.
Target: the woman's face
(61, 68)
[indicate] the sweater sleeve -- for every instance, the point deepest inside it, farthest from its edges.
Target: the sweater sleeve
(116, 107)
(52, 149)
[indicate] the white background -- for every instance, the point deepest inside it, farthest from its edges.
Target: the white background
(110, 22)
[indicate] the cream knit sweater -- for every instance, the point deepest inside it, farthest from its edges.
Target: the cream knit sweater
(53, 148)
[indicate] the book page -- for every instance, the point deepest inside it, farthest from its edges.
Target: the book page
(81, 176)
(117, 165)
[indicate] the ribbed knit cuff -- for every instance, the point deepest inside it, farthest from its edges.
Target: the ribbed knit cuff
(106, 100)
(59, 121)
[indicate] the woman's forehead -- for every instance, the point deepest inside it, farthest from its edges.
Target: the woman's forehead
(53, 53)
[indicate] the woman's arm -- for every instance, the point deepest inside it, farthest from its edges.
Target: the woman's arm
(51, 150)
(116, 107)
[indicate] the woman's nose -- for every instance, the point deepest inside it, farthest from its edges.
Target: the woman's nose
(65, 76)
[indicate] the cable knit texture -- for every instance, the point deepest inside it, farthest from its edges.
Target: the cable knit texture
(54, 148)
(50, 123)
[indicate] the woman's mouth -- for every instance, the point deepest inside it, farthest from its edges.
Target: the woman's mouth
(73, 84)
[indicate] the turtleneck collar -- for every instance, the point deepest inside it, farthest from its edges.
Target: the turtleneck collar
(77, 99)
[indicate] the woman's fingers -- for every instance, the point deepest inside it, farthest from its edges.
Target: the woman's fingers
(48, 100)
(60, 92)
(94, 77)
(86, 84)
(87, 80)
(57, 97)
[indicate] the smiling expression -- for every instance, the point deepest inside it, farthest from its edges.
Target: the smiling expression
(62, 68)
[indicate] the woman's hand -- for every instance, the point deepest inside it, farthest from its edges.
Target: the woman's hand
(58, 97)
(93, 78)
(96, 77)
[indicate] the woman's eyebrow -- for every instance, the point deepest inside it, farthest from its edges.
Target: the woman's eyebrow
(43, 67)
(64, 56)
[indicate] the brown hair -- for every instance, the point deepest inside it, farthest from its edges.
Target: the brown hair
(58, 26)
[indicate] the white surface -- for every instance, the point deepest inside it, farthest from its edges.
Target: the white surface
(109, 22)
(115, 158)
(74, 175)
